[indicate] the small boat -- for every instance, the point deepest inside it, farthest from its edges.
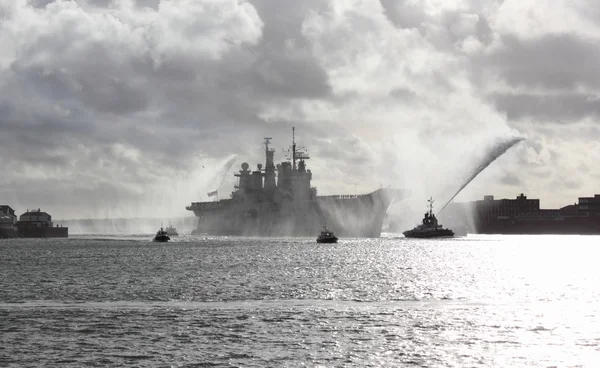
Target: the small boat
(171, 230)
(161, 236)
(430, 227)
(326, 236)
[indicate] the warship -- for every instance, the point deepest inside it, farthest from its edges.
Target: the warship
(171, 231)
(279, 201)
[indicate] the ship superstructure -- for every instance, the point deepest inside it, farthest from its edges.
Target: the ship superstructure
(279, 201)
(429, 228)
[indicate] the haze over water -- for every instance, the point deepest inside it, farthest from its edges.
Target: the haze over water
(489, 301)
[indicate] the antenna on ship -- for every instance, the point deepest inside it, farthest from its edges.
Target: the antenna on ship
(298, 153)
(430, 200)
(293, 148)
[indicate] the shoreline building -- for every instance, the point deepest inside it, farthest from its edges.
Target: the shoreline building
(38, 224)
(523, 215)
(8, 221)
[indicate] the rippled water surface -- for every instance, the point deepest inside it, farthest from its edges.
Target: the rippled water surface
(489, 301)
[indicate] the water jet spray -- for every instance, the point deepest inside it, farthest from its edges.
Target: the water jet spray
(496, 151)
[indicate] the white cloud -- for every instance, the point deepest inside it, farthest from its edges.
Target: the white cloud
(534, 18)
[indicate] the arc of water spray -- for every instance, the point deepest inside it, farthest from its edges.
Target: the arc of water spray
(226, 169)
(496, 151)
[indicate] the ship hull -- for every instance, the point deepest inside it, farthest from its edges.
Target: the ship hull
(330, 240)
(445, 233)
(347, 216)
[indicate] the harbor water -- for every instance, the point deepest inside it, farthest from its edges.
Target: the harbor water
(475, 301)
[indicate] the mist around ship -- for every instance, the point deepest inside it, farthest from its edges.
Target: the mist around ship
(170, 197)
(444, 179)
(424, 174)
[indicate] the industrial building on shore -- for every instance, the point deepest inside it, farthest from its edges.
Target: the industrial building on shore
(523, 215)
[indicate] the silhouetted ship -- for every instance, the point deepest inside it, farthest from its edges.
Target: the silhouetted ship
(326, 236)
(171, 231)
(429, 227)
(161, 236)
(279, 201)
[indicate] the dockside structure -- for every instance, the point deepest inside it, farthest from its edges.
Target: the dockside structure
(31, 224)
(8, 221)
(523, 215)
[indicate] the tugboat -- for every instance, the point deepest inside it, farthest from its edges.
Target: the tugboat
(171, 230)
(430, 227)
(161, 236)
(326, 236)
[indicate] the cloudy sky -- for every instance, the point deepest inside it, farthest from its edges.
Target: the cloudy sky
(131, 108)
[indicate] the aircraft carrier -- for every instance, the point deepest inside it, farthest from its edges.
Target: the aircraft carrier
(279, 201)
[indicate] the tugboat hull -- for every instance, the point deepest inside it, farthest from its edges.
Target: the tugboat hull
(446, 233)
(430, 228)
(327, 240)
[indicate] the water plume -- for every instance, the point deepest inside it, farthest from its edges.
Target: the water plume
(226, 168)
(491, 155)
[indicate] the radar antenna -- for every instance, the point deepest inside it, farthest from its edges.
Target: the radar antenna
(298, 153)
(267, 142)
(430, 200)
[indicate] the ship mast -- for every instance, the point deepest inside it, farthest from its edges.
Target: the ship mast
(269, 175)
(293, 148)
(298, 153)
(430, 200)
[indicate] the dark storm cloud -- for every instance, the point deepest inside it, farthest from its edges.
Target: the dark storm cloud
(285, 65)
(562, 108)
(454, 24)
(403, 94)
(404, 14)
(355, 151)
(511, 179)
(81, 83)
(554, 61)
(40, 3)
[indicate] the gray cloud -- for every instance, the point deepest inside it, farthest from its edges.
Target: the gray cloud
(562, 108)
(511, 179)
(100, 98)
(559, 62)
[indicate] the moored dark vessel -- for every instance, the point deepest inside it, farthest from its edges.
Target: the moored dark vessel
(161, 236)
(279, 201)
(326, 236)
(429, 228)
